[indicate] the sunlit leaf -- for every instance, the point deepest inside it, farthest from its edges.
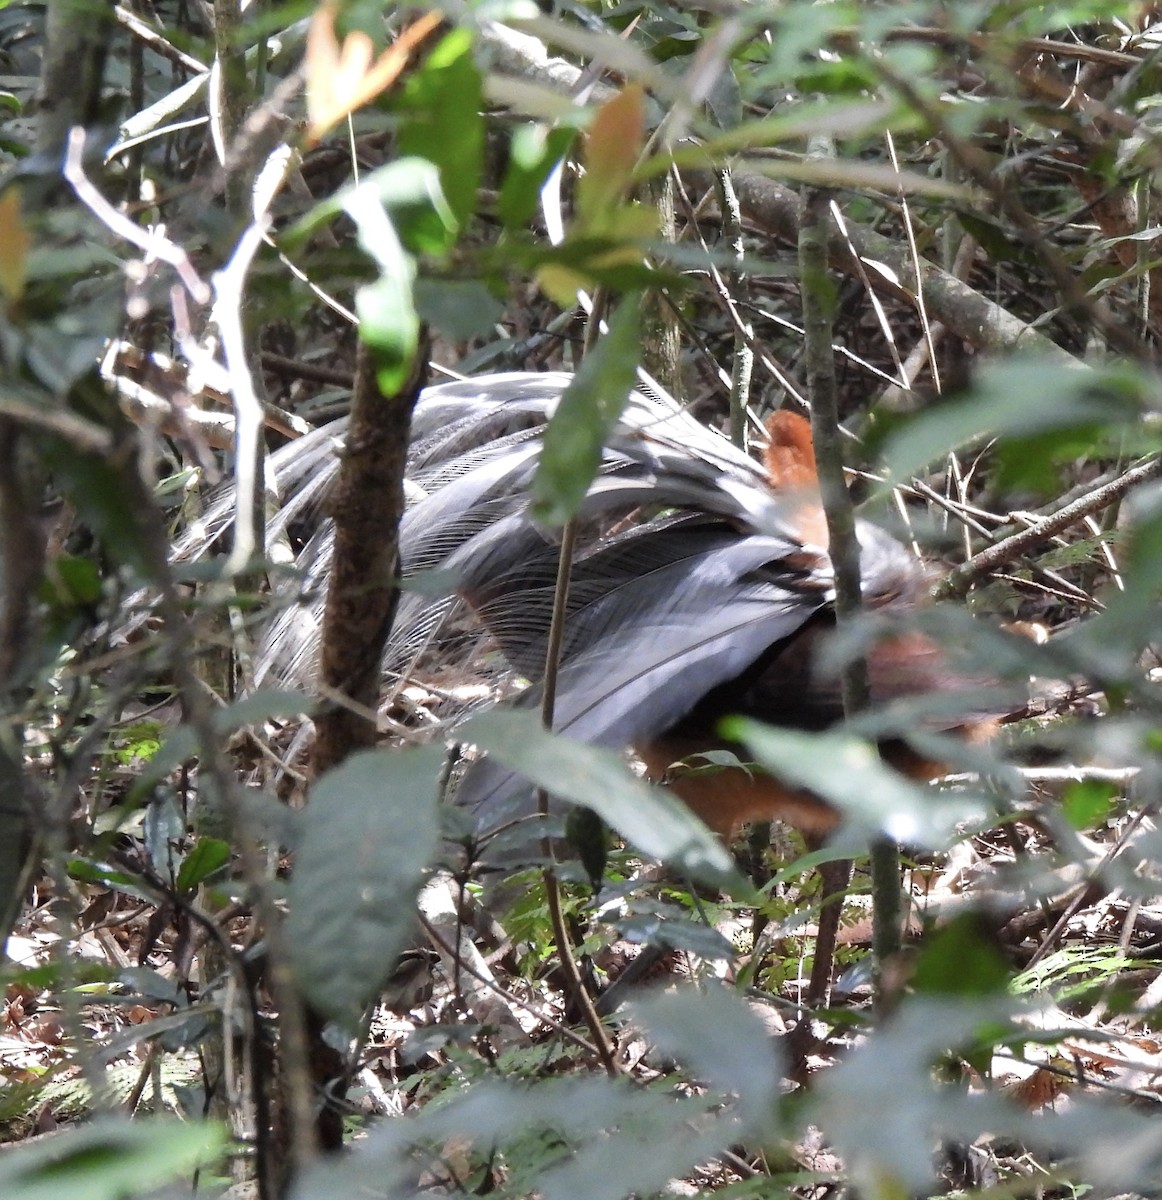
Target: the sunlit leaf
(1088, 802)
(533, 153)
(443, 121)
(409, 190)
(390, 325)
(388, 321)
(208, 856)
(343, 78)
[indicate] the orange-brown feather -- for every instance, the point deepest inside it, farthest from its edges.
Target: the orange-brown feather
(727, 798)
(789, 456)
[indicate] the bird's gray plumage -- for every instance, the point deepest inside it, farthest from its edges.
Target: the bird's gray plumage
(688, 568)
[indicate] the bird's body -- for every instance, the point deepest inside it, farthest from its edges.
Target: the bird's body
(701, 585)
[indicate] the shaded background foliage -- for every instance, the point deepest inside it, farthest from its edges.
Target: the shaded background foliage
(181, 288)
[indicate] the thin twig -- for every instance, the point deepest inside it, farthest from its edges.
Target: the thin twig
(958, 582)
(249, 532)
(156, 42)
(817, 292)
(972, 160)
(152, 243)
(552, 888)
(742, 361)
(1071, 909)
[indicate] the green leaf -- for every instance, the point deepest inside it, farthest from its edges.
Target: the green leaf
(723, 1043)
(388, 321)
(143, 981)
(77, 581)
(370, 830)
(458, 308)
(399, 211)
(534, 152)
(677, 932)
(995, 239)
(1041, 407)
(620, 266)
(1088, 802)
(119, 881)
(96, 485)
(103, 502)
(260, 706)
(409, 190)
(390, 325)
(962, 958)
(848, 773)
(588, 410)
(649, 818)
(588, 836)
(207, 856)
(1072, 971)
(443, 100)
(110, 1159)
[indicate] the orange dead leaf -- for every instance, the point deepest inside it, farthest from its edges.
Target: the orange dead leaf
(1038, 1090)
(612, 147)
(341, 79)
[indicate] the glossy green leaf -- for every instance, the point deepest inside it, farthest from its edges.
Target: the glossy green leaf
(443, 121)
(208, 856)
(410, 191)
